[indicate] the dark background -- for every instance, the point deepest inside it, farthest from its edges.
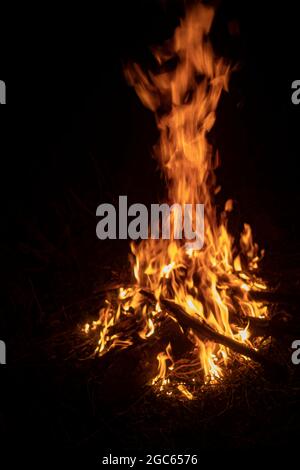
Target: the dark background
(74, 135)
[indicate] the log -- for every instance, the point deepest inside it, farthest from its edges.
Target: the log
(280, 324)
(273, 369)
(277, 326)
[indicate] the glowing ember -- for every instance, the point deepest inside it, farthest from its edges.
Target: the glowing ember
(212, 284)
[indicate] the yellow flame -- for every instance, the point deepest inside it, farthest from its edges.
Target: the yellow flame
(244, 334)
(212, 282)
(182, 388)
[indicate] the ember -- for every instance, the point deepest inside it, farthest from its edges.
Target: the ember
(207, 293)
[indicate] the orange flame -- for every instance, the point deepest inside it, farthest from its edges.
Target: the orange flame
(214, 282)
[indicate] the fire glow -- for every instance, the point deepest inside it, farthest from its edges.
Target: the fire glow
(194, 290)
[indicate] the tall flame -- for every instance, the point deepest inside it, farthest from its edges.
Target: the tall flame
(212, 283)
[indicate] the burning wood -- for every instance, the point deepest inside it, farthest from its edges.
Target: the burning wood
(211, 290)
(204, 331)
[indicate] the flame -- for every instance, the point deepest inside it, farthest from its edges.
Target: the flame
(244, 334)
(216, 281)
(163, 358)
(182, 388)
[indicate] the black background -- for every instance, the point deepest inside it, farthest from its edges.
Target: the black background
(71, 104)
(74, 135)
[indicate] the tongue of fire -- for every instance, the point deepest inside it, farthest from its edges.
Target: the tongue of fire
(211, 285)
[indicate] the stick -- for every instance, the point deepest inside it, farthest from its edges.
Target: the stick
(203, 330)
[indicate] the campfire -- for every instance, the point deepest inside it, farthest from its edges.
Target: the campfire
(202, 306)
